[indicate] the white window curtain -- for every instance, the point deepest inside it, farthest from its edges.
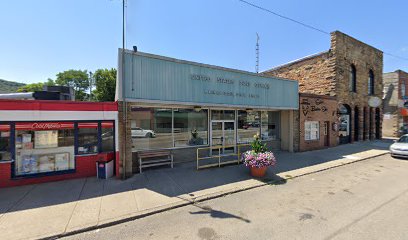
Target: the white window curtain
(312, 130)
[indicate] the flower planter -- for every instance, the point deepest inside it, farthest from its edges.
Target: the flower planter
(258, 172)
(259, 158)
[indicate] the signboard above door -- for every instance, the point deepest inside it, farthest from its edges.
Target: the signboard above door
(157, 79)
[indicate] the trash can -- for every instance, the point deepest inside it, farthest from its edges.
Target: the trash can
(104, 169)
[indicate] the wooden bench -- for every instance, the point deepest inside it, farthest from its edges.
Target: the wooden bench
(154, 158)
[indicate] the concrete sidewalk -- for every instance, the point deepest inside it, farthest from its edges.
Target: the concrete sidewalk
(58, 208)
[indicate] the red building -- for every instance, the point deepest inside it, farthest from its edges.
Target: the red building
(42, 141)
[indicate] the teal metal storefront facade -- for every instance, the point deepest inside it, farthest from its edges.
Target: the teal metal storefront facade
(169, 102)
(152, 78)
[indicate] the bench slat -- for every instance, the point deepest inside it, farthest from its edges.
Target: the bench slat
(158, 160)
(153, 155)
(144, 160)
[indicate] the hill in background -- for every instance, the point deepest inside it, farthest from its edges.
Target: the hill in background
(9, 86)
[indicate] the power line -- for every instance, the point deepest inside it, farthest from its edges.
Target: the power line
(306, 25)
(284, 17)
(392, 55)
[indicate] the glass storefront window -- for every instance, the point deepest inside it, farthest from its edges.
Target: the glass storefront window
(88, 138)
(249, 124)
(223, 115)
(151, 128)
(190, 127)
(270, 125)
(107, 137)
(5, 154)
(44, 147)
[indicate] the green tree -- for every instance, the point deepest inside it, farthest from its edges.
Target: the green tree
(77, 79)
(105, 82)
(35, 86)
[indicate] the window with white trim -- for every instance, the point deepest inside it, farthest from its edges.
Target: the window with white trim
(312, 130)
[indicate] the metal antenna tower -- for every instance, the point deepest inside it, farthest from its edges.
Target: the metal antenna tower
(257, 53)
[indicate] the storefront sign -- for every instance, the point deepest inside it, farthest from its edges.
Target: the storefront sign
(150, 78)
(312, 106)
(45, 125)
(38, 126)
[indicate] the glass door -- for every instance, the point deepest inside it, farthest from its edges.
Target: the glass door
(223, 136)
(229, 137)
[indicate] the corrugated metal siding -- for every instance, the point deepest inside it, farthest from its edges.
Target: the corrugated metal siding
(167, 80)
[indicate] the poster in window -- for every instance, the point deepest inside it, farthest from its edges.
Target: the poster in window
(61, 161)
(46, 139)
(5, 134)
(26, 138)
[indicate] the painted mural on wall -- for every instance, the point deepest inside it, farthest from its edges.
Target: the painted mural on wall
(309, 105)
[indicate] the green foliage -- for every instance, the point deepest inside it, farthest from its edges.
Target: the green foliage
(31, 87)
(105, 81)
(77, 79)
(9, 86)
(35, 86)
(257, 145)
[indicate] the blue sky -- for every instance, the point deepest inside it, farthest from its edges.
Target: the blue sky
(43, 37)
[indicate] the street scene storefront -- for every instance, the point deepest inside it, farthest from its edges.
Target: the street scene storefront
(44, 141)
(166, 103)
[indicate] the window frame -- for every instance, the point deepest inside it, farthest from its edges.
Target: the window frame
(308, 137)
(11, 142)
(69, 171)
(371, 84)
(353, 79)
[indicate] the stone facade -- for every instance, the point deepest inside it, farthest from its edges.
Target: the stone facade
(395, 118)
(317, 108)
(125, 141)
(329, 73)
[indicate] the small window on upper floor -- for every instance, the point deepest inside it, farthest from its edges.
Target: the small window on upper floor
(353, 79)
(370, 82)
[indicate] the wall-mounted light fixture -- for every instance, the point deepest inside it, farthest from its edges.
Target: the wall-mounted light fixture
(197, 108)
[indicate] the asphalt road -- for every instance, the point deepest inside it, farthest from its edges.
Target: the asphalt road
(363, 200)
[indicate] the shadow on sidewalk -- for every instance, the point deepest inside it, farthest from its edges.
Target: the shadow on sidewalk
(154, 185)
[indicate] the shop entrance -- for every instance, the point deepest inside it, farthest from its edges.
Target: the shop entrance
(222, 136)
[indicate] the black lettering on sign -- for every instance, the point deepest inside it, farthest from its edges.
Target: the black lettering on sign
(198, 77)
(305, 109)
(318, 101)
(225, 80)
(244, 83)
(305, 101)
(262, 85)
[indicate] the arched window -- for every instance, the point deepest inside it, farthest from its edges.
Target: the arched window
(353, 79)
(371, 83)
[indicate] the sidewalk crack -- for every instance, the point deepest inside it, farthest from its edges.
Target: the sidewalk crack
(18, 202)
(100, 202)
(76, 204)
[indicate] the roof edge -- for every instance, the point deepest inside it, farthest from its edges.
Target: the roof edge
(297, 61)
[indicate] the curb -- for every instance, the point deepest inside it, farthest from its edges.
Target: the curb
(210, 196)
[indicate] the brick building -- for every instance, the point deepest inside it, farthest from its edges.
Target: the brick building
(351, 72)
(395, 118)
(316, 121)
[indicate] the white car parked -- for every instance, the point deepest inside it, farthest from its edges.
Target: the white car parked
(139, 132)
(400, 147)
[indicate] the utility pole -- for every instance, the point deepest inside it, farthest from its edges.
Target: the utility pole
(124, 109)
(257, 54)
